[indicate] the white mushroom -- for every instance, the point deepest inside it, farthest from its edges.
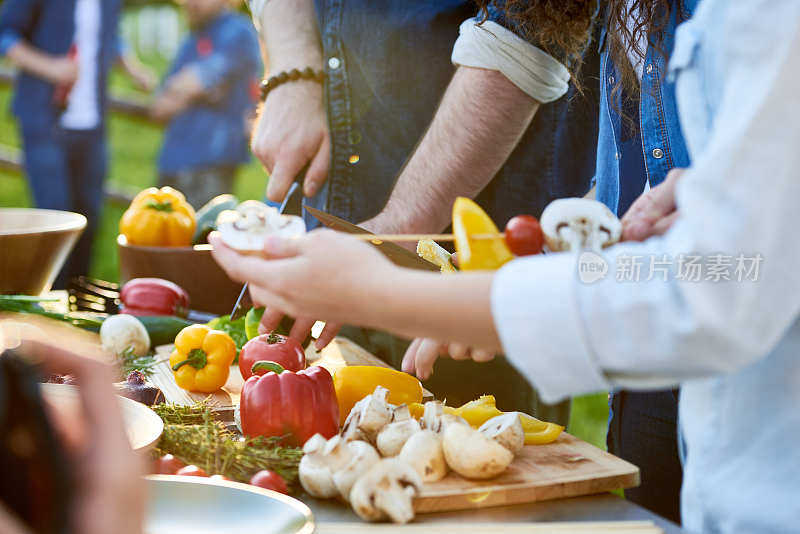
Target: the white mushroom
(368, 417)
(315, 473)
(506, 430)
(434, 418)
(361, 456)
(394, 435)
(245, 228)
(423, 451)
(579, 223)
(386, 491)
(471, 454)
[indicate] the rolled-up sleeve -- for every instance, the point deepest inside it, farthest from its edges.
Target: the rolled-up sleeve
(16, 20)
(642, 328)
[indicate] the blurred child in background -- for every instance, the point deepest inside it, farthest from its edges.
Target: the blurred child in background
(208, 97)
(64, 50)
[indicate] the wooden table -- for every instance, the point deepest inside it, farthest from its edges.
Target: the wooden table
(607, 514)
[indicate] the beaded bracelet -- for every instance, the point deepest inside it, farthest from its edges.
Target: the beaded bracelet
(293, 75)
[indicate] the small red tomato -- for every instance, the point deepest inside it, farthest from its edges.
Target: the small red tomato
(524, 235)
(191, 471)
(269, 480)
(168, 465)
(282, 350)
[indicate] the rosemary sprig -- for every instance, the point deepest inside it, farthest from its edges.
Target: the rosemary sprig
(193, 435)
(129, 362)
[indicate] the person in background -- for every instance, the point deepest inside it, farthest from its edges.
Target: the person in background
(387, 67)
(208, 98)
(64, 50)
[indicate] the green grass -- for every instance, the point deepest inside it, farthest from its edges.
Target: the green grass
(134, 148)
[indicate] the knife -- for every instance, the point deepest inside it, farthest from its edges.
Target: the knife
(292, 205)
(396, 254)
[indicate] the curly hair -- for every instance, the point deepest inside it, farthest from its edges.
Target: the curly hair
(560, 27)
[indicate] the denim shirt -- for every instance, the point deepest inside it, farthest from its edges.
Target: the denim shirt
(49, 25)
(388, 65)
(226, 56)
(627, 160)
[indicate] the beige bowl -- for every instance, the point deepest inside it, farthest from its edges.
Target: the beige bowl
(34, 244)
(192, 268)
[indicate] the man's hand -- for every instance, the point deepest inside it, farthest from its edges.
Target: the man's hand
(422, 354)
(653, 212)
(63, 70)
(292, 132)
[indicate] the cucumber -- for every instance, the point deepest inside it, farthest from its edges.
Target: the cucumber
(162, 329)
(206, 216)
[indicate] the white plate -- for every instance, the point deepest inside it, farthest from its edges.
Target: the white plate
(196, 505)
(142, 425)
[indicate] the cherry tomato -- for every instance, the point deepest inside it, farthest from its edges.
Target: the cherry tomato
(282, 350)
(191, 471)
(524, 235)
(168, 465)
(269, 480)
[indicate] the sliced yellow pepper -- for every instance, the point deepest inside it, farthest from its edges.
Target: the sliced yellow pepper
(484, 408)
(158, 218)
(356, 382)
(477, 254)
(202, 358)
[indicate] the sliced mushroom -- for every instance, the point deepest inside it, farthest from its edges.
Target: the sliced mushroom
(386, 491)
(401, 413)
(434, 418)
(368, 417)
(245, 228)
(506, 430)
(579, 223)
(361, 456)
(316, 475)
(471, 454)
(423, 451)
(394, 435)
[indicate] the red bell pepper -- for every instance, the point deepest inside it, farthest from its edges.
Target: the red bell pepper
(154, 296)
(282, 350)
(283, 403)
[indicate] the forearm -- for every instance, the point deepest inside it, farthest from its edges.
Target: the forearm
(456, 307)
(480, 121)
(31, 60)
(289, 31)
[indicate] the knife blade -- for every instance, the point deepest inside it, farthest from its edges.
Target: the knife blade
(396, 254)
(292, 205)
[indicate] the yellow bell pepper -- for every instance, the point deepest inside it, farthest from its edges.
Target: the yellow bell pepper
(356, 382)
(484, 408)
(158, 218)
(202, 358)
(486, 254)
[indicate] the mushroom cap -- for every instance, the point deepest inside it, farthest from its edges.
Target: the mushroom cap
(577, 223)
(368, 416)
(506, 430)
(394, 435)
(473, 455)
(423, 451)
(314, 471)
(434, 418)
(361, 456)
(386, 490)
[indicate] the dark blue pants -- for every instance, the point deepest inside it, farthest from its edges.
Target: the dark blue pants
(65, 171)
(644, 431)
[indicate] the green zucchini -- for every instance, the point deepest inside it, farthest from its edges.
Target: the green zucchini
(162, 329)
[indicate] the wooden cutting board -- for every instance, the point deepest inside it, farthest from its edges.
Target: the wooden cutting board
(339, 353)
(587, 527)
(567, 467)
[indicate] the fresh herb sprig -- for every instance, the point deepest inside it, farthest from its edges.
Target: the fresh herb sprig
(129, 362)
(31, 304)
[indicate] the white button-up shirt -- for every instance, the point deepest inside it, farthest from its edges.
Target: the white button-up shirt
(714, 304)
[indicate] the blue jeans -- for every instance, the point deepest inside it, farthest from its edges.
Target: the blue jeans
(65, 171)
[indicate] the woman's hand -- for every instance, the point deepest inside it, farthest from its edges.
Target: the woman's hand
(323, 274)
(421, 355)
(653, 212)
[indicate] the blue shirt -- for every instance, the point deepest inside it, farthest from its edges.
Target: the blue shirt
(388, 65)
(226, 55)
(49, 25)
(627, 158)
